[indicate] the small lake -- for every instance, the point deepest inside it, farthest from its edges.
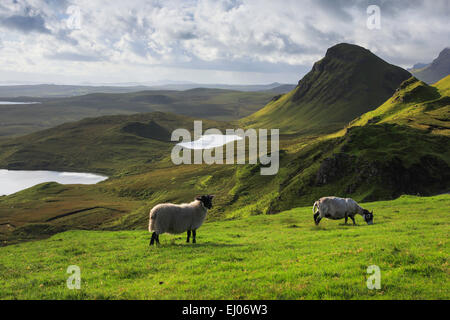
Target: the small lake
(210, 141)
(15, 102)
(12, 181)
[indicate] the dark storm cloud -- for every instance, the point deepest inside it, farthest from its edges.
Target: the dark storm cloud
(25, 24)
(338, 7)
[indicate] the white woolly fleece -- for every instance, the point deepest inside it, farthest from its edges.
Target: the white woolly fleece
(174, 218)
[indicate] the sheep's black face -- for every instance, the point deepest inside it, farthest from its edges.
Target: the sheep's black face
(206, 200)
(368, 216)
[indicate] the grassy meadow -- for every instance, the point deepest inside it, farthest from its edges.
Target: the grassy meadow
(282, 256)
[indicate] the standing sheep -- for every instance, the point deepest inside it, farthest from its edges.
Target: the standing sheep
(174, 218)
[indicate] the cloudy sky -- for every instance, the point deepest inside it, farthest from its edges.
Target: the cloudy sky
(205, 41)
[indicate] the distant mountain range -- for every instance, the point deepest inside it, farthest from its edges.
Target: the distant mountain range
(53, 90)
(435, 71)
(418, 65)
(204, 103)
(275, 87)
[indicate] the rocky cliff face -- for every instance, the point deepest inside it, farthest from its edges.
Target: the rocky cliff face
(421, 178)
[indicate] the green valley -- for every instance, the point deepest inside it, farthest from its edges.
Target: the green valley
(401, 147)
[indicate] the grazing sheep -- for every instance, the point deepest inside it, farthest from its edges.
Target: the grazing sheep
(174, 218)
(337, 208)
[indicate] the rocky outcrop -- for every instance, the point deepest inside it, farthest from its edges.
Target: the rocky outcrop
(425, 177)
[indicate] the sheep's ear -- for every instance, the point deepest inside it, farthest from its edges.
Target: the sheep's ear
(211, 196)
(199, 198)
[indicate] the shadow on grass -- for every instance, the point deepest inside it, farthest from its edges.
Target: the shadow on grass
(348, 225)
(195, 245)
(340, 226)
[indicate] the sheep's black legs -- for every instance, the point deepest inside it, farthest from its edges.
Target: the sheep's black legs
(318, 220)
(188, 235)
(194, 235)
(353, 219)
(315, 217)
(155, 237)
(346, 218)
(152, 240)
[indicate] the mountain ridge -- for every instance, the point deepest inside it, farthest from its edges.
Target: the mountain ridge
(347, 82)
(414, 104)
(435, 71)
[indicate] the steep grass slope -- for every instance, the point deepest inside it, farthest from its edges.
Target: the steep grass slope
(346, 83)
(401, 147)
(263, 257)
(415, 104)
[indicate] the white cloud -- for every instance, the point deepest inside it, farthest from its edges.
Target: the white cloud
(209, 40)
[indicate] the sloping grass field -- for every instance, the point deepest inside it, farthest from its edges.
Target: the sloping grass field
(282, 256)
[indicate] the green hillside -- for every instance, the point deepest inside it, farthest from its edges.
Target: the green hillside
(443, 86)
(346, 83)
(401, 147)
(101, 145)
(282, 256)
(415, 104)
